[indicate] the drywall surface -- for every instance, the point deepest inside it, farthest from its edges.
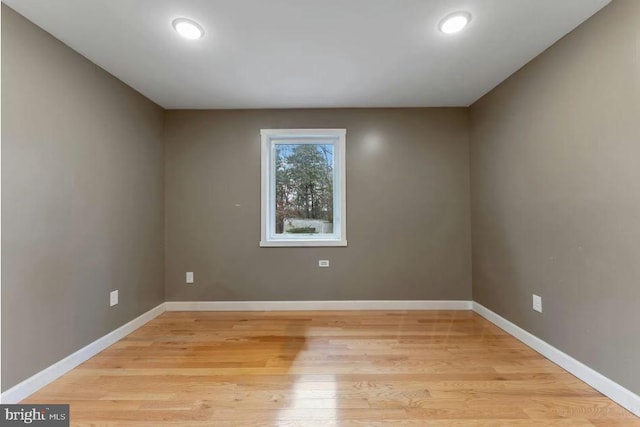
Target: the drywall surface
(82, 201)
(556, 194)
(407, 208)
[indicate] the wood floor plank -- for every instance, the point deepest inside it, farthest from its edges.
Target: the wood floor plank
(353, 368)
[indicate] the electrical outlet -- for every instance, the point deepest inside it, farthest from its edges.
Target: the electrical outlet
(323, 263)
(537, 303)
(189, 276)
(113, 298)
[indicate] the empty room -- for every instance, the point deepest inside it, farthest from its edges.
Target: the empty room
(332, 213)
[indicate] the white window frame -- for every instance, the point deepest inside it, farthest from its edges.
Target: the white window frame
(301, 136)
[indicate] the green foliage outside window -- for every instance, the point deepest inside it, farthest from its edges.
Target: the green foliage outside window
(304, 184)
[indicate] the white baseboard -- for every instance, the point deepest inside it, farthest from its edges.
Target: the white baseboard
(604, 385)
(314, 305)
(609, 388)
(32, 384)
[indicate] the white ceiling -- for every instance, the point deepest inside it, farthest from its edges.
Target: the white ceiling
(303, 53)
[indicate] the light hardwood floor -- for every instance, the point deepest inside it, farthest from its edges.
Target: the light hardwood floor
(360, 368)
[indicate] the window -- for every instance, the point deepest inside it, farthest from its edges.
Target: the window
(303, 187)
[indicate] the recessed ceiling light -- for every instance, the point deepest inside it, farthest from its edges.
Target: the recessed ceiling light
(455, 22)
(188, 29)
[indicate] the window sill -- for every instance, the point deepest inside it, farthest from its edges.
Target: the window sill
(301, 243)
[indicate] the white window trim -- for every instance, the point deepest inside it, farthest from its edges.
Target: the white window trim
(268, 238)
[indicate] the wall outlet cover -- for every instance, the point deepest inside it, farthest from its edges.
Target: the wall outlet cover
(323, 263)
(189, 277)
(113, 298)
(537, 303)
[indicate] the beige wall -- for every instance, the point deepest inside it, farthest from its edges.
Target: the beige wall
(555, 178)
(82, 201)
(407, 208)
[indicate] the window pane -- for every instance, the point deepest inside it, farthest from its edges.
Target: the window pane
(304, 189)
